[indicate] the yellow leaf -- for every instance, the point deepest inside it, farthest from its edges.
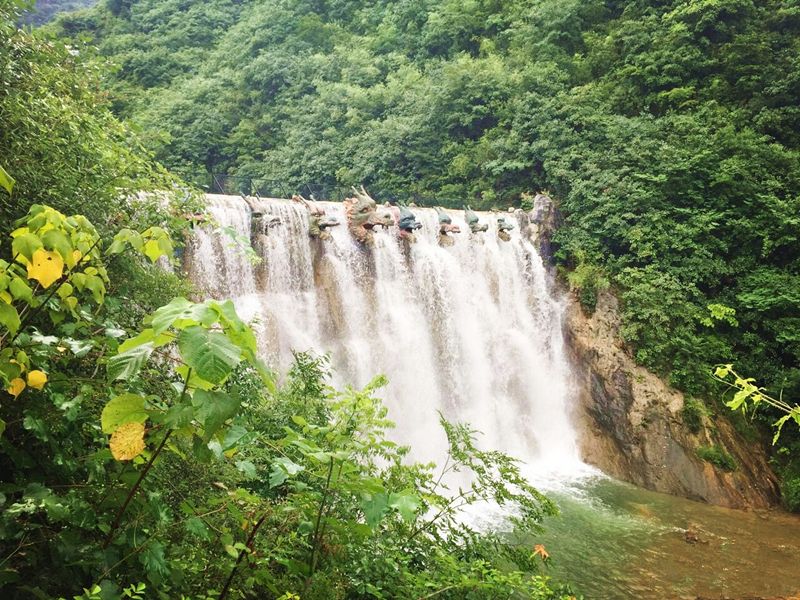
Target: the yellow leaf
(16, 386)
(37, 379)
(6, 297)
(76, 256)
(127, 441)
(46, 267)
(540, 550)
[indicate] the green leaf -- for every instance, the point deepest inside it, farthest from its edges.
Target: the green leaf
(6, 180)
(210, 353)
(406, 504)
(9, 317)
(25, 245)
(152, 250)
(282, 469)
(54, 239)
(779, 426)
(212, 409)
(738, 399)
(722, 371)
(19, 288)
(145, 336)
(123, 239)
(165, 316)
(127, 364)
(374, 508)
(153, 560)
(305, 527)
(179, 415)
(247, 467)
(200, 450)
(127, 408)
(95, 285)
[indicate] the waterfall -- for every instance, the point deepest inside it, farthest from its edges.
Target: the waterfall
(472, 330)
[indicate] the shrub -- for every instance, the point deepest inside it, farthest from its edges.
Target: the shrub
(693, 412)
(718, 457)
(790, 492)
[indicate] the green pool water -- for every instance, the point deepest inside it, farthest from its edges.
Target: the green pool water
(615, 541)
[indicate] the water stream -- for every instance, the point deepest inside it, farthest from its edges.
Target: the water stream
(474, 331)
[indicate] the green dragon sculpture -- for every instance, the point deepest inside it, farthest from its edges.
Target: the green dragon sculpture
(475, 225)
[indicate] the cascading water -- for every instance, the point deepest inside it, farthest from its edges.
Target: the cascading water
(472, 330)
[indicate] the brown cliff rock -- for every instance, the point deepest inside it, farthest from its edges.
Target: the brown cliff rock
(632, 428)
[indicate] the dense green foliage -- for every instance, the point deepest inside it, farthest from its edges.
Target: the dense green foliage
(667, 129)
(718, 457)
(45, 10)
(203, 455)
(145, 451)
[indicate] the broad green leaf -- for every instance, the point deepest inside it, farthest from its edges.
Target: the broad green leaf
(6, 180)
(722, 371)
(123, 239)
(374, 508)
(282, 469)
(9, 317)
(194, 381)
(25, 245)
(152, 250)
(127, 408)
(127, 364)
(164, 317)
(19, 288)
(233, 436)
(212, 409)
(738, 399)
(95, 285)
(143, 337)
(179, 415)
(55, 240)
(406, 504)
(210, 353)
(247, 467)
(200, 450)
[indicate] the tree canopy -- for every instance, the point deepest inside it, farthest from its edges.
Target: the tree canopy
(667, 131)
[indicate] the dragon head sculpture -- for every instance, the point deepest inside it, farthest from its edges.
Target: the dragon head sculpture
(446, 227)
(475, 225)
(362, 216)
(503, 227)
(385, 217)
(407, 222)
(263, 222)
(318, 221)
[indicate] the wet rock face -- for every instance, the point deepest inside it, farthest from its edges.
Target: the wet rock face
(542, 222)
(632, 428)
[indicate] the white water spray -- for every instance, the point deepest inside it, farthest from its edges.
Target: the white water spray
(472, 330)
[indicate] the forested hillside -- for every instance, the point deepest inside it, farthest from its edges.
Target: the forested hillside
(145, 450)
(667, 130)
(43, 11)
